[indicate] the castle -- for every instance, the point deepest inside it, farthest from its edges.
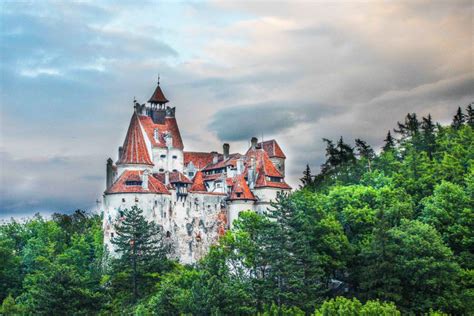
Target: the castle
(194, 196)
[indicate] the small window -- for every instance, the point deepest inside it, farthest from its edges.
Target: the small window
(162, 156)
(161, 169)
(191, 174)
(168, 234)
(175, 157)
(111, 235)
(239, 194)
(123, 200)
(175, 170)
(136, 199)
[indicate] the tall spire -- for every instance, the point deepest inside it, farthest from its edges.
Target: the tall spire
(158, 97)
(134, 147)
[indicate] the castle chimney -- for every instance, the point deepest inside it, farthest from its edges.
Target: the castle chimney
(167, 177)
(254, 142)
(226, 149)
(215, 157)
(145, 179)
(120, 152)
(110, 174)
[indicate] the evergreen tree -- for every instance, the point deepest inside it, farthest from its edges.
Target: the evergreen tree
(140, 245)
(459, 119)
(410, 127)
(389, 143)
(470, 115)
(429, 137)
(365, 152)
(307, 179)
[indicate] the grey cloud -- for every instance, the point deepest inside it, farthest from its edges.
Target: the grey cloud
(242, 122)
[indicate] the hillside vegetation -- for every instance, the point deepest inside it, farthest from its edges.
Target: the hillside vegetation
(371, 234)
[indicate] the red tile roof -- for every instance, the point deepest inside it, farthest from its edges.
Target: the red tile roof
(198, 183)
(262, 162)
(262, 182)
(119, 186)
(134, 147)
(212, 177)
(240, 190)
(231, 161)
(199, 159)
(174, 177)
(158, 96)
(170, 126)
(272, 149)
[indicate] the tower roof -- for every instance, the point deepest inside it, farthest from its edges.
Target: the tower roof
(158, 96)
(198, 183)
(240, 190)
(272, 149)
(134, 147)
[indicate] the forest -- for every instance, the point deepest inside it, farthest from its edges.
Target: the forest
(373, 232)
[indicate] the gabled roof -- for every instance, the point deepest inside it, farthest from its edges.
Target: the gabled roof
(170, 126)
(240, 190)
(199, 159)
(230, 161)
(262, 162)
(120, 186)
(263, 182)
(134, 147)
(174, 177)
(272, 149)
(158, 96)
(198, 183)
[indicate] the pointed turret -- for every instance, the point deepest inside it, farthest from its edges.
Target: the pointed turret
(158, 96)
(134, 148)
(198, 183)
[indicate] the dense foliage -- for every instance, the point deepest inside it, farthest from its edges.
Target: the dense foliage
(372, 234)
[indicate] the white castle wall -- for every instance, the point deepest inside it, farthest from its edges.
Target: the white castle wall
(192, 224)
(237, 206)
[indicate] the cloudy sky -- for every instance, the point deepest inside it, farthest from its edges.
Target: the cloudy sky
(294, 71)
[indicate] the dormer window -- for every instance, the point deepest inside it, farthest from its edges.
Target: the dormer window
(156, 134)
(162, 156)
(133, 182)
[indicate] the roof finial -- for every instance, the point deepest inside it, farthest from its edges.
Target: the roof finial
(158, 79)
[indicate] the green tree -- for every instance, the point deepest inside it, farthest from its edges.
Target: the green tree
(140, 246)
(451, 211)
(365, 152)
(419, 267)
(429, 135)
(389, 142)
(344, 306)
(307, 179)
(470, 115)
(459, 119)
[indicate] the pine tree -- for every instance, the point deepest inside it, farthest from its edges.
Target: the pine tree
(345, 152)
(470, 115)
(365, 151)
(410, 127)
(389, 143)
(307, 179)
(429, 137)
(458, 119)
(139, 243)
